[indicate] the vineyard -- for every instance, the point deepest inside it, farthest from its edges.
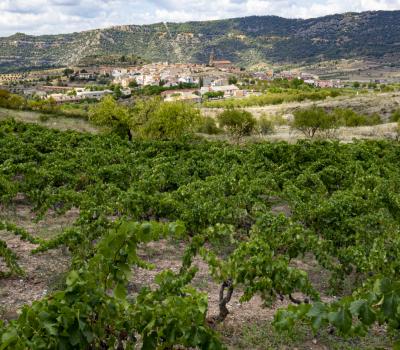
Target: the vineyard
(221, 201)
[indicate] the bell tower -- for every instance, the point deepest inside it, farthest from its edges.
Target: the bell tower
(212, 58)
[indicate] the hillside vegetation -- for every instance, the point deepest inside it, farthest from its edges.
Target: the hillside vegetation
(245, 41)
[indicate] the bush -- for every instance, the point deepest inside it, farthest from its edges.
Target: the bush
(238, 123)
(265, 126)
(213, 94)
(395, 117)
(208, 126)
(374, 119)
(167, 121)
(312, 120)
(350, 118)
(12, 101)
(111, 114)
(44, 117)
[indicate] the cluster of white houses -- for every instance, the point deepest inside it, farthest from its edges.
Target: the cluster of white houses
(170, 75)
(196, 95)
(212, 80)
(80, 94)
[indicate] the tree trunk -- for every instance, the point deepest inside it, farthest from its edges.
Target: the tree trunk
(224, 300)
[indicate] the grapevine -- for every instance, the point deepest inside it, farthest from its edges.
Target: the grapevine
(249, 212)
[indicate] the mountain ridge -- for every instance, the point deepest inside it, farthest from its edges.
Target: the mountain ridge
(245, 41)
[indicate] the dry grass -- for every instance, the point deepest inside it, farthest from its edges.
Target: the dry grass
(54, 122)
(370, 103)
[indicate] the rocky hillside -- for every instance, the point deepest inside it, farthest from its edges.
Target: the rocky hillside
(245, 41)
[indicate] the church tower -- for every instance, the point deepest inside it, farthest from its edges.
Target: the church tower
(212, 58)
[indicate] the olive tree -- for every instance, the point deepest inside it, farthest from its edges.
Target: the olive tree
(312, 120)
(237, 122)
(153, 119)
(110, 113)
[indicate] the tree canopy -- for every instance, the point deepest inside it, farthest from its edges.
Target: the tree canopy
(238, 123)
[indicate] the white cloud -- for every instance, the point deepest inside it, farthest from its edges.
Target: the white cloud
(61, 16)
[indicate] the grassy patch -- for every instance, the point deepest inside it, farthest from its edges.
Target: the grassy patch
(259, 336)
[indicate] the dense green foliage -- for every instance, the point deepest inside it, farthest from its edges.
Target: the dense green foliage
(316, 120)
(48, 106)
(208, 126)
(168, 121)
(343, 203)
(151, 90)
(148, 119)
(237, 122)
(274, 98)
(349, 117)
(110, 113)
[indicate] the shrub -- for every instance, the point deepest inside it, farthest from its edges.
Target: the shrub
(44, 117)
(111, 114)
(265, 126)
(167, 121)
(374, 119)
(213, 94)
(12, 101)
(350, 118)
(395, 117)
(312, 120)
(238, 123)
(208, 126)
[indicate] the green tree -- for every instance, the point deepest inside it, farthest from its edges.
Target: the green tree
(67, 72)
(312, 120)
(232, 80)
(208, 126)
(143, 111)
(166, 121)
(16, 102)
(133, 84)
(238, 123)
(113, 115)
(213, 94)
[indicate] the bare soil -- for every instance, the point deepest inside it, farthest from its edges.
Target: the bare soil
(44, 271)
(248, 326)
(370, 103)
(58, 122)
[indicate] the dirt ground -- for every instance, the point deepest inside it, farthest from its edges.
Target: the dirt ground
(43, 271)
(60, 123)
(370, 103)
(248, 326)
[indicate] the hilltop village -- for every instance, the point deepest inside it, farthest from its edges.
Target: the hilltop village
(218, 79)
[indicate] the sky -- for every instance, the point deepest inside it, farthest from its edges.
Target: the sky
(66, 16)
